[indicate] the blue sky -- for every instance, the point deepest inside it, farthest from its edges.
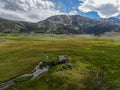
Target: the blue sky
(37, 10)
(68, 5)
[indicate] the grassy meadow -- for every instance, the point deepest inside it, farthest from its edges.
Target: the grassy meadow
(94, 63)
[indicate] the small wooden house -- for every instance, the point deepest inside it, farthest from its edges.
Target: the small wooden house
(63, 59)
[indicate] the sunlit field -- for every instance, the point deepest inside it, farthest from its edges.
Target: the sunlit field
(94, 62)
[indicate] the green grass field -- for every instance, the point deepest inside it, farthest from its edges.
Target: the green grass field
(95, 62)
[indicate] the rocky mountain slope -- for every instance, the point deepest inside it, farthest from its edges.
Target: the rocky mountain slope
(111, 20)
(59, 24)
(9, 26)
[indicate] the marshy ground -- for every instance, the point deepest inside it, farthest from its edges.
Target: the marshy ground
(88, 57)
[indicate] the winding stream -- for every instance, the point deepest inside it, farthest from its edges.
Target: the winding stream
(36, 73)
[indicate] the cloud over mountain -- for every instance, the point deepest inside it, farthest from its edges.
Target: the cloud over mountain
(28, 10)
(36, 10)
(26, 4)
(104, 8)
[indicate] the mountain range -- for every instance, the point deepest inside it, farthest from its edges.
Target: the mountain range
(59, 24)
(111, 20)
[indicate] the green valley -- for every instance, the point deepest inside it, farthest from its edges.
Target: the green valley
(93, 63)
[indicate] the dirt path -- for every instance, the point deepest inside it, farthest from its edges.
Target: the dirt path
(36, 73)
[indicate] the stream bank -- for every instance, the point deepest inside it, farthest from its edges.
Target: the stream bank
(36, 72)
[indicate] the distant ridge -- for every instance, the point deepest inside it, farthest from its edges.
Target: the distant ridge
(111, 20)
(59, 24)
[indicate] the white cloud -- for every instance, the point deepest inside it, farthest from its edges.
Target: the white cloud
(30, 16)
(29, 10)
(26, 4)
(74, 12)
(104, 8)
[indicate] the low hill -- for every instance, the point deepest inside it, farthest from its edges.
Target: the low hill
(8, 26)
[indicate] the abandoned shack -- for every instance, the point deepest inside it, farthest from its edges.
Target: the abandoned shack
(63, 59)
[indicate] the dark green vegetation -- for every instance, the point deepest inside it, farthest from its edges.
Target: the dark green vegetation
(115, 32)
(59, 24)
(94, 63)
